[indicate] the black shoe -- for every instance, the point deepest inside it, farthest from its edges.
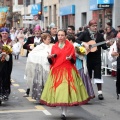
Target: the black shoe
(28, 91)
(63, 117)
(117, 96)
(5, 98)
(17, 57)
(100, 97)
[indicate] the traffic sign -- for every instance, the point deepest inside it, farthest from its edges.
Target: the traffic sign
(35, 9)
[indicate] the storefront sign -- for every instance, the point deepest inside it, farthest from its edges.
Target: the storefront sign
(105, 2)
(100, 4)
(3, 9)
(67, 10)
(93, 5)
(104, 5)
(35, 9)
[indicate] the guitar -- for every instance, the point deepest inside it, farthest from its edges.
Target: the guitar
(93, 45)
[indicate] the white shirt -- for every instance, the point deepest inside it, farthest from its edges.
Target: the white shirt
(37, 40)
(12, 35)
(54, 37)
(113, 48)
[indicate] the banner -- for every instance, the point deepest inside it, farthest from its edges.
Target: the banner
(3, 15)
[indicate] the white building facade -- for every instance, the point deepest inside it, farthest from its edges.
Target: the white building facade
(79, 12)
(78, 15)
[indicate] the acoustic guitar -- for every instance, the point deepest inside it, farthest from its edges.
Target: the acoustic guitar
(93, 45)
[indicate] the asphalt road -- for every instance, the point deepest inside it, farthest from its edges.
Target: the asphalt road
(21, 108)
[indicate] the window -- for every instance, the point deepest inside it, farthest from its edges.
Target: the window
(20, 2)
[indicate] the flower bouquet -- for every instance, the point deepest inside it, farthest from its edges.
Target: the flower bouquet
(6, 50)
(80, 50)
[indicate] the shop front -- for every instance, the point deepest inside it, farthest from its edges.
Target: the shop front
(67, 15)
(102, 11)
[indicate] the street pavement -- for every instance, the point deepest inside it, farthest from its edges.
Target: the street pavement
(21, 108)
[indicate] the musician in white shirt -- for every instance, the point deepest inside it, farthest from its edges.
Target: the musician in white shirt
(34, 40)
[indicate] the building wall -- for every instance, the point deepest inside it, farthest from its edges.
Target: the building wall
(116, 14)
(52, 12)
(82, 12)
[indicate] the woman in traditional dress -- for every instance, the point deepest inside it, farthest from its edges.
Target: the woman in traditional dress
(37, 67)
(81, 66)
(16, 49)
(64, 86)
(21, 37)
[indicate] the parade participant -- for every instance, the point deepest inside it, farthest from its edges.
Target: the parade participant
(93, 58)
(53, 32)
(109, 24)
(21, 38)
(118, 28)
(30, 44)
(114, 54)
(71, 30)
(16, 49)
(109, 36)
(37, 66)
(64, 84)
(5, 64)
(81, 65)
(34, 40)
(12, 34)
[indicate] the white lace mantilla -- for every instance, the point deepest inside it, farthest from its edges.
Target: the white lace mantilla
(37, 56)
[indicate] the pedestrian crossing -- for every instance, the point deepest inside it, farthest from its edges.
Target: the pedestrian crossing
(36, 108)
(21, 90)
(30, 99)
(16, 85)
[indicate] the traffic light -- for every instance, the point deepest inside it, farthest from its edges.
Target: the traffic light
(39, 15)
(39, 12)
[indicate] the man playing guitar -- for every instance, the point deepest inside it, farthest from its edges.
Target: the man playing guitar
(93, 58)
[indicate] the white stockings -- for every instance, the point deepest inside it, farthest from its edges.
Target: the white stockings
(64, 110)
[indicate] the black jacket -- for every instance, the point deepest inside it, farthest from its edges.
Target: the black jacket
(54, 41)
(92, 56)
(29, 41)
